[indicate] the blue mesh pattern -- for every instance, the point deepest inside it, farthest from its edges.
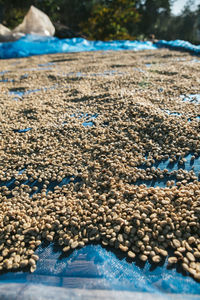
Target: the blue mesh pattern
(95, 267)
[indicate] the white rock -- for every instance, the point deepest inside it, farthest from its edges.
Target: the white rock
(5, 34)
(35, 22)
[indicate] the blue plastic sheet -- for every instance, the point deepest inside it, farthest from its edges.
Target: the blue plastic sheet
(94, 267)
(179, 45)
(37, 45)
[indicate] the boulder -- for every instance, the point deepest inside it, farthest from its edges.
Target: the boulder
(35, 22)
(65, 32)
(5, 34)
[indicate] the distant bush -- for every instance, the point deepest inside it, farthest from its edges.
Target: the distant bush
(111, 20)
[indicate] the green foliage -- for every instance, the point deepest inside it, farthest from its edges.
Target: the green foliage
(185, 26)
(155, 17)
(50, 7)
(13, 11)
(73, 12)
(14, 17)
(110, 20)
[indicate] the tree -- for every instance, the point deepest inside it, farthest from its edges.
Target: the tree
(155, 15)
(186, 26)
(74, 12)
(189, 21)
(111, 19)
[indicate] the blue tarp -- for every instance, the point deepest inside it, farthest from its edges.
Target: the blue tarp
(179, 45)
(37, 45)
(94, 267)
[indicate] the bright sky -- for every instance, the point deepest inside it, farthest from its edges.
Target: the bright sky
(179, 4)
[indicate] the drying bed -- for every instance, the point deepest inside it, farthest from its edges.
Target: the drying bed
(100, 151)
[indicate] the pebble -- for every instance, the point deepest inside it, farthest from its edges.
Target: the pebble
(143, 257)
(190, 256)
(156, 259)
(123, 248)
(74, 244)
(65, 249)
(196, 254)
(172, 260)
(131, 254)
(176, 243)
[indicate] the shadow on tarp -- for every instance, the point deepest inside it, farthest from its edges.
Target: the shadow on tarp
(179, 45)
(50, 187)
(20, 92)
(189, 165)
(191, 98)
(87, 118)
